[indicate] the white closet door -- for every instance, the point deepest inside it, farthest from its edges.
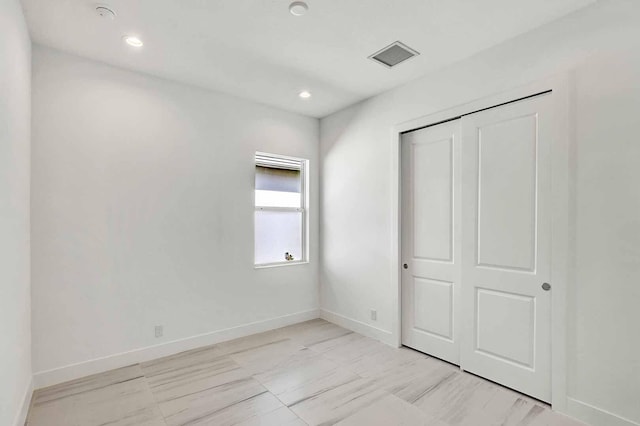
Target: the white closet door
(431, 240)
(506, 245)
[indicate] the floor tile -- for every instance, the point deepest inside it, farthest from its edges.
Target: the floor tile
(519, 410)
(248, 342)
(350, 348)
(280, 417)
(174, 378)
(313, 332)
(184, 360)
(85, 384)
(542, 416)
(364, 356)
(338, 403)
(456, 398)
(335, 343)
(412, 381)
(390, 411)
(197, 386)
(261, 407)
(312, 373)
(268, 356)
(193, 408)
(383, 358)
(503, 408)
(304, 375)
(466, 400)
(125, 403)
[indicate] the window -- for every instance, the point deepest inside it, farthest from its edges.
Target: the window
(280, 210)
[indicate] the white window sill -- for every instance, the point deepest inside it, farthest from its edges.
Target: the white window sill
(279, 264)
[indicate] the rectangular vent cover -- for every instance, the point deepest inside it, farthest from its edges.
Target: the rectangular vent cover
(393, 54)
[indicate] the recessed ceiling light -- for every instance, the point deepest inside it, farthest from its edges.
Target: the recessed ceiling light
(133, 41)
(305, 94)
(298, 8)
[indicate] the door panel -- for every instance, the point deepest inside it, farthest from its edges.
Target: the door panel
(431, 240)
(506, 245)
(432, 199)
(433, 307)
(507, 340)
(506, 207)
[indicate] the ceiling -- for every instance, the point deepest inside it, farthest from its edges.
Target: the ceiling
(257, 50)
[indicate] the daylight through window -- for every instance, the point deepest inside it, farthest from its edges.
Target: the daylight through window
(280, 210)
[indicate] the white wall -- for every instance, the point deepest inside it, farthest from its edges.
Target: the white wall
(143, 213)
(605, 366)
(15, 316)
(600, 45)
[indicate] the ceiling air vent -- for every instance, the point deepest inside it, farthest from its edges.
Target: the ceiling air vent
(393, 54)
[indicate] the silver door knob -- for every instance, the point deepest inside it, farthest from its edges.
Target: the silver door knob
(405, 266)
(546, 286)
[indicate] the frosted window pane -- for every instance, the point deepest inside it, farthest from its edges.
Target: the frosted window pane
(277, 199)
(278, 187)
(272, 179)
(276, 234)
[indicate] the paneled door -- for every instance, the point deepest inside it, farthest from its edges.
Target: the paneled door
(431, 240)
(506, 302)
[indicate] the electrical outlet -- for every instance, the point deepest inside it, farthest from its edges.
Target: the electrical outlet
(374, 314)
(159, 331)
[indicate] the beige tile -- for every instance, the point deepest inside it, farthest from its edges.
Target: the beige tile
(466, 400)
(317, 386)
(503, 408)
(351, 348)
(126, 403)
(413, 380)
(197, 386)
(280, 417)
(260, 407)
(184, 360)
(535, 416)
(335, 343)
(268, 356)
(338, 403)
(390, 411)
(521, 412)
(304, 375)
(384, 358)
(174, 378)
(323, 373)
(85, 384)
(364, 356)
(456, 399)
(542, 416)
(313, 332)
(193, 407)
(249, 342)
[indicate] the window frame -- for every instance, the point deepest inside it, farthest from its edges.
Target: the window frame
(270, 160)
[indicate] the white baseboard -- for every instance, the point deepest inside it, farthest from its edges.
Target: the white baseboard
(595, 416)
(75, 371)
(21, 416)
(358, 326)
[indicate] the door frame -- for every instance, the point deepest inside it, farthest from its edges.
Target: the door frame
(561, 202)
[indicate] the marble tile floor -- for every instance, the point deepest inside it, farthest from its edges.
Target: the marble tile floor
(313, 373)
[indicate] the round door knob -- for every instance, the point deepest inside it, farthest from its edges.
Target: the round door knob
(546, 286)
(405, 266)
